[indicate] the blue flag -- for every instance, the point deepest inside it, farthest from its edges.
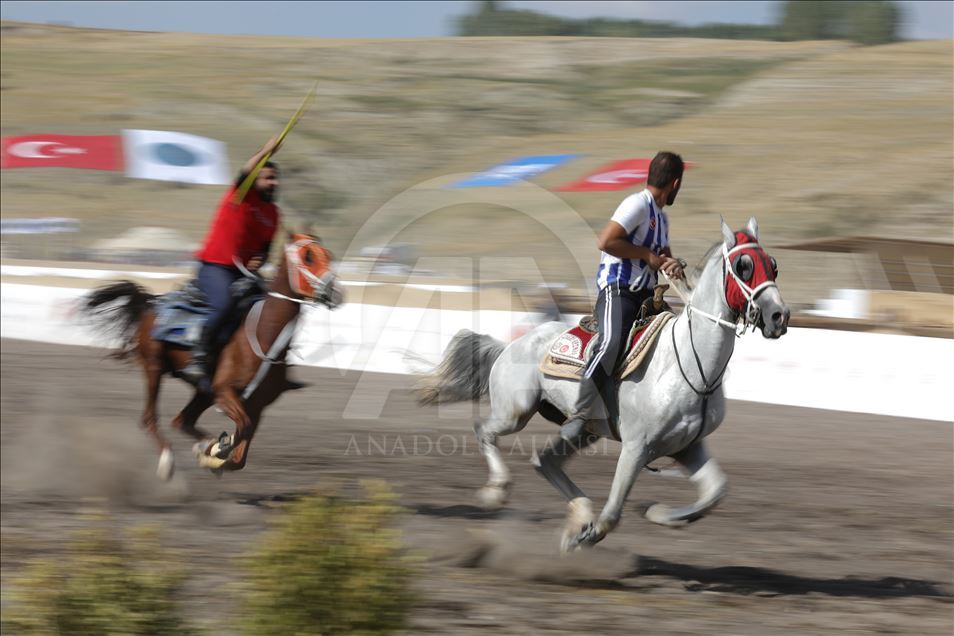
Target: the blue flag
(513, 171)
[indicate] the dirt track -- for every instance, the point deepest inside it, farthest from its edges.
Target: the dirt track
(834, 522)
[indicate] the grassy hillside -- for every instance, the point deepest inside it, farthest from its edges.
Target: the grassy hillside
(815, 139)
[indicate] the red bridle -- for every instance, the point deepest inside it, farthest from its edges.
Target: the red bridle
(759, 272)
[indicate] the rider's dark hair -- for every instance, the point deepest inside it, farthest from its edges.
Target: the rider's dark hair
(272, 165)
(665, 168)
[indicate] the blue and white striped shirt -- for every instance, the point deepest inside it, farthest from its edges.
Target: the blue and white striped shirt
(646, 225)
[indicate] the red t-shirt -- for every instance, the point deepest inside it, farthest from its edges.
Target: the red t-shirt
(241, 231)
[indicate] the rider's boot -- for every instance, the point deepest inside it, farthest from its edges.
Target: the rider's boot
(196, 372)
(573, 428)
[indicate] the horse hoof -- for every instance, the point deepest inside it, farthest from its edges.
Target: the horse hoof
(212, 463)
(222, 448)
(493, 497)
(661, 514)
(568, 542)
(167, 465)
(671, 517)
(579, 517)
(204, 452)
(201, 448)
(584, 537)
(587, 537)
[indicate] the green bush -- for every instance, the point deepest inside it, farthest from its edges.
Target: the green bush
(100, 586)
(329, 567)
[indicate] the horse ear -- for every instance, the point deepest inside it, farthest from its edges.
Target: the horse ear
(752, 228)
(727, 234)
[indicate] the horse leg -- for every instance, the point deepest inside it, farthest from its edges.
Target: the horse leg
(216, 455)
(185, 421)
(632, 459)
(231, 404)
(241, 443)
(150, 419)
(497, 490)
(549, 464)
(710, 481)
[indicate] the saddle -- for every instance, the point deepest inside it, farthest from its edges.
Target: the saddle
(569, 353)
(181, 314)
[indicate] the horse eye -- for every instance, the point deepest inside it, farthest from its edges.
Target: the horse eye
(744, 267)
(774, 267)
(308, 257)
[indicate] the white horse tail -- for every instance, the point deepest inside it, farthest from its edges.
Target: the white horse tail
(464, 372)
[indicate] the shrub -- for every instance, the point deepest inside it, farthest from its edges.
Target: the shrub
(329, 566)
(100, 586)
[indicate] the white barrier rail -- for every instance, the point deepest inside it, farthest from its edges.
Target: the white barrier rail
(886, 374)
(34, 271)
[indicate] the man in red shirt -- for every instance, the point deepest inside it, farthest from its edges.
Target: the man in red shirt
(240, 232)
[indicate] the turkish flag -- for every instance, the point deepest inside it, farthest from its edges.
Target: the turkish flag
(614, 176)
(61, 151)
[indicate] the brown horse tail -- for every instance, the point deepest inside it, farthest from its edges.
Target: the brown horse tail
(115, 310)
(464, 373)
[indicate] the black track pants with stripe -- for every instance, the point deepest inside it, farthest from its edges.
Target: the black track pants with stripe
(616, 311)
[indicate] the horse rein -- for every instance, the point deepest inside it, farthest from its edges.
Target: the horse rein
(247, 273)
(281, 343)
(686, 297)
(318, 284)
(751, 312)
(750, 316)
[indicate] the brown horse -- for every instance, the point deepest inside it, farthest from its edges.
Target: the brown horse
(250, 372)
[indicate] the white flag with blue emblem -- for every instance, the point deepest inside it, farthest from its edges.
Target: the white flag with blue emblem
(174, 156)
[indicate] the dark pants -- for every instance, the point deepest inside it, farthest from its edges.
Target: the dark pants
(616, 311)
(215, 281)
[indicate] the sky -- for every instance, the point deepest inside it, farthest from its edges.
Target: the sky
(923, 19)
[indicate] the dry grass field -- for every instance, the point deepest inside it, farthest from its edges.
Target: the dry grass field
(815, 138)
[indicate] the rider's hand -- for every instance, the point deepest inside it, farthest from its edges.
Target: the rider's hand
(272, 146)
(672, 267)
(255, 263)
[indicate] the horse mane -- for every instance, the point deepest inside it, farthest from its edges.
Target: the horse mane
(696, 273)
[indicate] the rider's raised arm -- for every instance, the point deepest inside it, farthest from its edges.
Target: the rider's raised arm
(271, 146)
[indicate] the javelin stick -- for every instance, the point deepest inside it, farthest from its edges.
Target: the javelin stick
(250, 179)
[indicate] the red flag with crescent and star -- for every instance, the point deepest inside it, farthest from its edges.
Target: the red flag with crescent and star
(614, 176)
(62, 151)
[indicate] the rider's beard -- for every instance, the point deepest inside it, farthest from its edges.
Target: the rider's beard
(267, 196)
(672, 197)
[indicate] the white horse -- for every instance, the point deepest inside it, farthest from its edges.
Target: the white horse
(666, 408)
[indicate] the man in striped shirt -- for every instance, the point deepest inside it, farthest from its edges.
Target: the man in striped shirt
(635, 246)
